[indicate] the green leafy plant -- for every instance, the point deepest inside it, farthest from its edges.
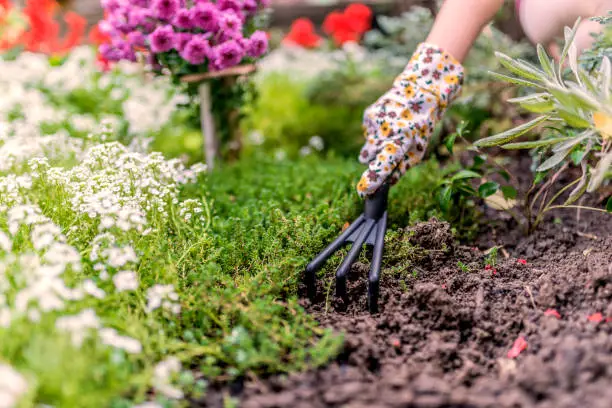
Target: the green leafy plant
(576, 108)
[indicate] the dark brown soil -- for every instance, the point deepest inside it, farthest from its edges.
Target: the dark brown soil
(442, 337)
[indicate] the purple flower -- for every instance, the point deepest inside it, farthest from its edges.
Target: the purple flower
(233, 5)
(196, 50)
(136, 39)
(117, 51)
(230, 26)
(257, 45)
(162, 39)
(250, 6)
(205, 16)
(165, 9)
(183, 19)
(181, 40)
(110, 5)
(110, 52)
(227, 54)
(140, 3)
(143, 18)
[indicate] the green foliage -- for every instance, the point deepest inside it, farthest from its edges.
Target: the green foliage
(591, 59)
(287, 119)
(578, 111)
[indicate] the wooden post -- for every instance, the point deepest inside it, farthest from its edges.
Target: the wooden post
(211, 144)
(209, 131)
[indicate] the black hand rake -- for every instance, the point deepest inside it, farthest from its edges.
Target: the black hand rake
(369, 228)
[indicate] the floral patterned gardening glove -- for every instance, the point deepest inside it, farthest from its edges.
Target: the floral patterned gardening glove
(398, 126)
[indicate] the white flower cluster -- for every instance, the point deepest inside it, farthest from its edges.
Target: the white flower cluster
(162, 377)
(12, 386)
(73, 199)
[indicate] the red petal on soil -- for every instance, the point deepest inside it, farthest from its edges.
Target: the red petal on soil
(522, 261)
(395, 343)
(519, 345)
(553, 313)
(608, 319)
(595, 317)
(443, 286)
(488, 267)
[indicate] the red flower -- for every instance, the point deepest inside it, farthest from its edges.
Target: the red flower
(553, 313)
(595, 317)
(522, 261)
(360, 15)
(97, 37)
(302, 33)
(348, 25)
(518, 347)
(43, 33)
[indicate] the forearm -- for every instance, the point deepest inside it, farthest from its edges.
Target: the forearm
(459, 23)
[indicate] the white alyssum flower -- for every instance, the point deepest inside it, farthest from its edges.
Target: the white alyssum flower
(79, 326)
(125, 280)
(110, 337)
(163, 296)
(12, 386)
(162, 377)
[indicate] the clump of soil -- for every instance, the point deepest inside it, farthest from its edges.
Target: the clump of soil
(442, 337)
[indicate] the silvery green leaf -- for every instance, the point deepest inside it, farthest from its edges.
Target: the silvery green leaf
(569, 34)
(516, 81)
(538, 102)
(572, 55)
(553, 161)
(574, 141)
(573, 119)
(534, 143)
(600, 172)
(606, 75)
(510, 134)
(547, 65)
(579, 190)
(520, 67)
(585, 99)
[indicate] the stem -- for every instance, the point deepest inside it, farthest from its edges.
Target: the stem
(564, 189)
(579, 207)
(547, 185)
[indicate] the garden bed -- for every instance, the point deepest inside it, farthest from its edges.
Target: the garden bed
(448, 322)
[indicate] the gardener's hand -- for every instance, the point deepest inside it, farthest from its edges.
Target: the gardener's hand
(398, 126)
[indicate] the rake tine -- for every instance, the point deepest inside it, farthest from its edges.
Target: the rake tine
(374, 277)
(346, 264)
(313, 267)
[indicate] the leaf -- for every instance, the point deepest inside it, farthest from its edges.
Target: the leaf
(509, 192)
(444, 198)
(572, 54)
(553, 161)
(606, 75)
(609, 205)
(504, 174)
(479, 161)
(579, 190)
(545, 62)
(583, 99)
(573, 120)
(537, 103)
(465, 174)
(520, 68)
(600, 172)
(513, 80)
(498, 202)
(450, 142)
(569, 34)
(535, 143)
(487, 189)
(577, 156)
(510, 134)
(573, 142)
